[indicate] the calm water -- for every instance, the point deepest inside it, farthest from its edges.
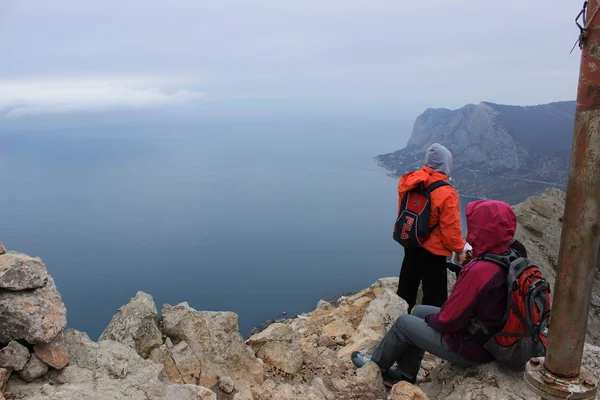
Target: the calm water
(257, 217)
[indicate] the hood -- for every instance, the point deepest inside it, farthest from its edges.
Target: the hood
(425, 176)
(491, 226)
(439, 159)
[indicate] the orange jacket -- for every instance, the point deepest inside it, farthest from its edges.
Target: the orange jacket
(445, 210)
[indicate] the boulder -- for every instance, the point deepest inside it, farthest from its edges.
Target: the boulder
(36, 316)
(406, 391)
(14, 356)
(279, 346)
(338, 329)
(226, 384)
(215, 339)
(2, 249)
(33, 370)
(136, 324)
(21, 272)
(380, 315)
(107, 370)
(54, 353)
(189, 392)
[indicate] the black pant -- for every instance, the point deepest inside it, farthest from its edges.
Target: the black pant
(420, 265)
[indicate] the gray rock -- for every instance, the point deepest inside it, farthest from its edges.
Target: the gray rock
(2, 249)
(189, 392)
(324, 305)
(97, 371)
(226, 384)
(33, 370)
(136, 325)
(14, 356)
(278, 345)
(36, 316)
(215, 339)
(294, 392)
(168, 343)
(21, 272)
(369, 377)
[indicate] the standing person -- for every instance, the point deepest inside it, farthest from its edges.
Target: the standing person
(427, 262)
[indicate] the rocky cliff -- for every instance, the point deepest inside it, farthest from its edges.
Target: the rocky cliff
(185, 354)
(502, 152)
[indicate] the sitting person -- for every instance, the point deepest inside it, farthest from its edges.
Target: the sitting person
(480, 293)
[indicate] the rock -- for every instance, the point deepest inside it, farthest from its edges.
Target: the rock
(338, 328)
(36, 316)
(54, 354)
(278, 345)
(324, 305)
(226, 384)
(274, 332)
(107, 370)
(162, 356)
(282, 355)
(294, 392)
(244, 391)
(369, 377)
(33, 370)
(189, 392)
(380, 315)
(14, 356)
(319, 385)
(180, 363)
(406, 391)
(215, 339)
(2, 249)
(21, 272)
(168, 343)
(4, 375)
(136, 325)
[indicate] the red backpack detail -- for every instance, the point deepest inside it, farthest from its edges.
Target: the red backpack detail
(412, 225)
(525, 324)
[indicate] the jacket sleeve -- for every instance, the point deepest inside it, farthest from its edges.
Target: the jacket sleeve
(450, 228)
(456, 312)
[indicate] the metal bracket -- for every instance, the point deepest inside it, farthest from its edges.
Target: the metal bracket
(550, 387)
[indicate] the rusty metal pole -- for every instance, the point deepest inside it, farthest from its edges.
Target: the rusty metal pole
(560, 375)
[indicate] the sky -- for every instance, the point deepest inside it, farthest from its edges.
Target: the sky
(69, 56)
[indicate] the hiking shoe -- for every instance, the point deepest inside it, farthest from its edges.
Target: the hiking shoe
(360, 359)
(394, 375)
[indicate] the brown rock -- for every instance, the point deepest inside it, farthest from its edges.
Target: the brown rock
(282, 355)
(337, 329)
(4, 375)
(2, 249)
(53, 354)
(406, 391)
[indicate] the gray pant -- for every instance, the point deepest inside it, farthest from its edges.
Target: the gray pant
(409, 339)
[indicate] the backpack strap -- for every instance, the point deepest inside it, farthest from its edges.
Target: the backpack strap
(436, 185)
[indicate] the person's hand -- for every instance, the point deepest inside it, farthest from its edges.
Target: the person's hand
(461, 257)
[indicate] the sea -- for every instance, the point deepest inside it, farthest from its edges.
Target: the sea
(256, 215)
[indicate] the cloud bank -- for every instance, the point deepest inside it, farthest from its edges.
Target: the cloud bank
(41, 96)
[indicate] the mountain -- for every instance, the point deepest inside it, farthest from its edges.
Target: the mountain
(502, 152)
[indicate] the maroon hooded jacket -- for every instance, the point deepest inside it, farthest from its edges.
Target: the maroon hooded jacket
(480, 291)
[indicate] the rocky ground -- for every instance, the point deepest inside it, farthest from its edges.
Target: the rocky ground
(188, 354)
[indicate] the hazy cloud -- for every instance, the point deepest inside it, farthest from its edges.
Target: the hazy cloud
(25, 97)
